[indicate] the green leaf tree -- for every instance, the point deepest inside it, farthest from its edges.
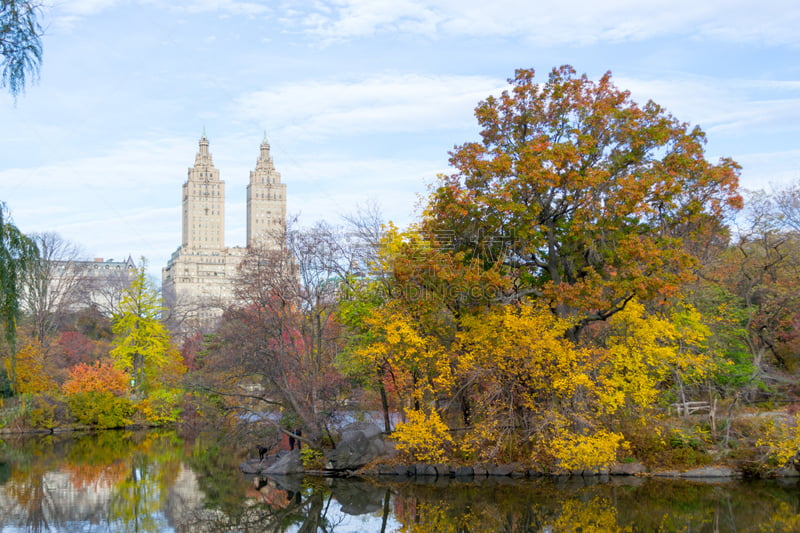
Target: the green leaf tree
(141, 344)
(20, 44)
(18, 253)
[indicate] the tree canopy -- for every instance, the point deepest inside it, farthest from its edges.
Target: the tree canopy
(587, 198)
(17, 254)
(142, 345)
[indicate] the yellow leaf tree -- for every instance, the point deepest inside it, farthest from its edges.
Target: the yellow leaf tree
(142, 345)
(646, 353)
(31, 375)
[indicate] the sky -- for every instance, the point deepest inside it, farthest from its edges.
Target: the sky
(361, 100)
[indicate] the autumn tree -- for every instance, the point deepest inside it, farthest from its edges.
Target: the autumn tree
(404, 315)
(17, 255)
(51, 285)
(142, 345)
(751, 295)
(598, 195)
(98, 394)
(100, 376)
(277, 345)
(31, 374)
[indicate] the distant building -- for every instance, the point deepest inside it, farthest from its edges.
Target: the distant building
(75, 285)
(103, 281)
(198, 281)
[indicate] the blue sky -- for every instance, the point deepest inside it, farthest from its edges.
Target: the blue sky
(361, 100)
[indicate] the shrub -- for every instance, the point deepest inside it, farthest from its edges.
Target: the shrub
(312, 459)
(587, 452)
(781, 440)
(100, 409)
(162, 406)
(98, 377)
(423, 437)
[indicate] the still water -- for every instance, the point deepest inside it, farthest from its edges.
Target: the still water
(157, 482)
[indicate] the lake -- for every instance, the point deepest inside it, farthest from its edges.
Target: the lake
(155, 481)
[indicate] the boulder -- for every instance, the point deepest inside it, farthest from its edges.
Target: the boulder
(387, 470)
(251, 466)
(710, 471)
(464, 471)
(426, 470)
(787, 471)
(288, 463)
(443, 470)
(360, 443)
(627, 469)
(401, 470)
(502, 470)
(480, 470)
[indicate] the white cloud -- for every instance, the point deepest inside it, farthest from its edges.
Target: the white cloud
(236, 7)
(378, 104)
(119, 168)
(764, 169)
(581, 22)
(67, 14)
(733, 106)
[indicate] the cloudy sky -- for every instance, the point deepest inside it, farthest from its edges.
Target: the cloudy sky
(361, 100)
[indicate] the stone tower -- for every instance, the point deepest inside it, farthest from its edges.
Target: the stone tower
(199, 280)
(266, 202)
(203, 219)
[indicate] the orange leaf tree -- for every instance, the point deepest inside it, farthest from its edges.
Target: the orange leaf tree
(98, 377)
(595, 199)
(96, 394)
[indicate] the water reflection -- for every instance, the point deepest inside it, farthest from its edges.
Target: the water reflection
(155, 481)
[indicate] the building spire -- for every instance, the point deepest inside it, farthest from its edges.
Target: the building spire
(203, 157)
(264, 158)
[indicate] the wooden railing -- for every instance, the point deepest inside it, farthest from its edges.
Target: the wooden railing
(690, 408)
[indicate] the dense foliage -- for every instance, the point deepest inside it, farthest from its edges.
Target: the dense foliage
(584, 288)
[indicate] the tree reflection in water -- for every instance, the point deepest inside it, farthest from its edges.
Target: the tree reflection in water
(155, 481)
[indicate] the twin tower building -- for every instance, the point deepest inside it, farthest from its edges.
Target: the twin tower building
(198, 280)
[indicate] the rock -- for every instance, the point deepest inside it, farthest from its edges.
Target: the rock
(517, 473)
(386, 470)
(502, 470)
(710, 471)
(464, 471)
(667, 473)
(627, 469)
(288, 463)
(426, 470)
(369, 430)
(251, 466)
(787, 471)
(480, 470)
(360, 444)
(443, 470)
(401, 470)
(591, 472)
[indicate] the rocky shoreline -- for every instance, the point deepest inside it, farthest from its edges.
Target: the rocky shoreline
(362, 452)
(288, 464)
